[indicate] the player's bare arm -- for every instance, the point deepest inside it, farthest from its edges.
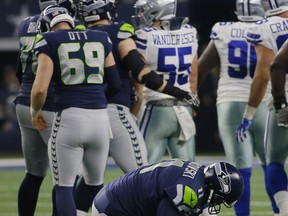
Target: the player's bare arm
(278, 71)
(193, 78)
(40, 88)
(261, 76)
(207, 61)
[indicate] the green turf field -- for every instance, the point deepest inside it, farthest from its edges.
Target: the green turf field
(10, 180)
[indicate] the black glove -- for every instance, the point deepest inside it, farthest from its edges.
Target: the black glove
(191, 98)
(180, 94)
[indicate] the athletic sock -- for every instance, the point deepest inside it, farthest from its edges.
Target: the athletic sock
(269, 191)
(28, 194)
(85, 194)
(65, 201)
(242, 206)
(277, 177)
(54, 212)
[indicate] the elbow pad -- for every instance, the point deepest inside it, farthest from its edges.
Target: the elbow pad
(152, 80)
(133, 61)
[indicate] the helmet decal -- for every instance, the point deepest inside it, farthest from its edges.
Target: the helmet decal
(223, 178)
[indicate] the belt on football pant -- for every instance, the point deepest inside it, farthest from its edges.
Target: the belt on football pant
(167, 102)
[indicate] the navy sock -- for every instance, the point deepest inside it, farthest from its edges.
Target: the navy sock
(277, 178)
(55, 213)
(269, 190)
(242, 206)
(28, 194)
(65, 201)
(54, 209)
(85, 194)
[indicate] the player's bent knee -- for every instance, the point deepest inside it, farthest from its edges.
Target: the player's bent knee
(95, 212)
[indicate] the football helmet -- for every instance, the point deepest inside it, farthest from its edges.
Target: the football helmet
(69, 5)
(249, 10)
(148, 11)
(53, 15)
(274, 7)
(94, 10)
(223, 184)
(45, 3)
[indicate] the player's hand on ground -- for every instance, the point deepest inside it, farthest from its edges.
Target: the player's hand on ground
(39, 122)
(191, 99)
(282, 117)
(242, 130)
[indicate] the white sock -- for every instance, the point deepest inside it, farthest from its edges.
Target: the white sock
(281, 199)
(81, 213)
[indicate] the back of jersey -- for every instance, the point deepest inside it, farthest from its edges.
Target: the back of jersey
(79, 58)
(271, 33)
(118, 32)
(237, 60)
(27, 31)
(170, 53)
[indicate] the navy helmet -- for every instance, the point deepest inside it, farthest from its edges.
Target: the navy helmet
(223, 185)
(95, 10)
(53, 15)
(43, 4)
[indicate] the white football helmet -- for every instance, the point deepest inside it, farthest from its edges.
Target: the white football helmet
(148, 11)
(249, 10)
(274, 7)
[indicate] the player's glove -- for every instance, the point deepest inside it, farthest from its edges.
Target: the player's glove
(191, 98)
(242, 129)
(281, 107)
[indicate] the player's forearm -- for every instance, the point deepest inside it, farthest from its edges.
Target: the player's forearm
(257, 92)
(38, 98)
(278, 78)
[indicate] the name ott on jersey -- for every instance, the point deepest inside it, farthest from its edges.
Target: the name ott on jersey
(175, 39)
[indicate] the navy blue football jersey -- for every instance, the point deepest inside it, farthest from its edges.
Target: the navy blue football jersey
(27, 31)
(139, 192)
(118, 32)
(79, 58)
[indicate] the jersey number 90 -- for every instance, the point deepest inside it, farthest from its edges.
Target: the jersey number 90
(243, 58)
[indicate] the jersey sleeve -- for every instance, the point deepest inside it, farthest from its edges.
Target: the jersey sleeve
(214, 32)
(126, 30)
(260, 35)
(141, 41)
(185, 198)
(42, 46)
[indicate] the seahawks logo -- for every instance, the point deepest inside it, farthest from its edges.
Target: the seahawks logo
(223, 178)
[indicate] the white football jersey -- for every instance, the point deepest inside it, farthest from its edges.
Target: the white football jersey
(237, 59)
(170, 54)
(271, 33)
